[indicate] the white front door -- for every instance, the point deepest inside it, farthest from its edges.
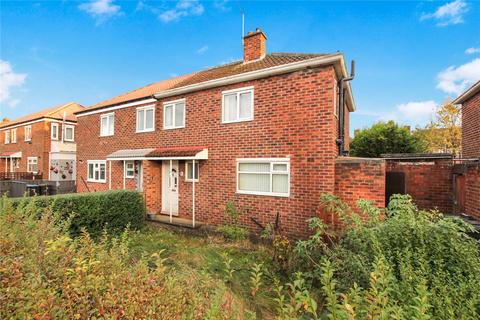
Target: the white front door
(170, 187)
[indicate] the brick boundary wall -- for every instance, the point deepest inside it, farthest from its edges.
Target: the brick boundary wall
(471, 127)
(360, 178)
(428, 181)
(472, 186)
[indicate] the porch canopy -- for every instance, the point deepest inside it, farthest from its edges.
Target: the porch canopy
(13, 154)
(193, 153)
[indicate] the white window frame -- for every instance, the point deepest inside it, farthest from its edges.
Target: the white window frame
(96, 163)
(7, 136)
(32, 160)
(13, 136)
(28, 137)
(131, 170)
(66, 127)
(54, 129)
(173, 104)
(271, 161)
(238, 92)
(144, 109)
(107, 116)
(187, 171)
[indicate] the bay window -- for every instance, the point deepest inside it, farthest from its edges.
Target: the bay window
(264, 177)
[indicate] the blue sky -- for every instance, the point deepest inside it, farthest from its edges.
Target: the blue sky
(410, 55)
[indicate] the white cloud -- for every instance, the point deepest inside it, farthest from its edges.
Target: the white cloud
(183, 8)
(221, 5)
(417, 111)
(454, 80)
(448, 14)
(472, 50)
(8, 80)
(101, 9)
(202, 50)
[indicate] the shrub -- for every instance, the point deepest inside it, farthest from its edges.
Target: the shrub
(113, 210)
(46, 274)
(231, 230)
(401, 258)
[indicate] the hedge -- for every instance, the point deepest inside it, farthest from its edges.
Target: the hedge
(96, 211)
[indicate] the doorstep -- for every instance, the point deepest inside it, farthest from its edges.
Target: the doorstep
(181, 222)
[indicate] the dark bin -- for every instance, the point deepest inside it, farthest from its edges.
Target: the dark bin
(44, 189)
(33, 189)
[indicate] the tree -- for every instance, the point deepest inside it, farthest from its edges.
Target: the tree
(384, 137)
(444, 133)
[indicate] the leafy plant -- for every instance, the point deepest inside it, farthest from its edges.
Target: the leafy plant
(256, 278)
(232, 230)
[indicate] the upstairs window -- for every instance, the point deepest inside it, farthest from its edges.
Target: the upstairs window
(174, 114)
(146, 119)
(107, 124)
(97, 171)
(270, 177)
(54, 131)
(28, 133)
(237, 105)
(32, 164)
(7, 136)
(14, 135)
(69, 134)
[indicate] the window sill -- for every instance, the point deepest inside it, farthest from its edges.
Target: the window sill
(173, 128)
(268, 194)
(145, 131)
(237, 121)
(97, 181)
(191, 180)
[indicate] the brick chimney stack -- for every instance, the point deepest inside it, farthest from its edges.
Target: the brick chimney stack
(254, 46)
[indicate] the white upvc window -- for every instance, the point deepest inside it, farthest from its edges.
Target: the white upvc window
(28, 133)
(146, 119)
(269, 177)
(7, 136)
(69, 133)
(14, 135)
(32, 164)
(237, 105)
(189, 171)
(54, 131)
(129, 169)
(107, 124)
(97, 171)
(174, 114)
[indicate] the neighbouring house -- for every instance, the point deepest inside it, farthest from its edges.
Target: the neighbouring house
(468, 174)
(40, 145)
(265, 132)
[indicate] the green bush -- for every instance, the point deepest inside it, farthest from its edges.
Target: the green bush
(232, 230)
(113, 210)
(46, 274)
(419, 264)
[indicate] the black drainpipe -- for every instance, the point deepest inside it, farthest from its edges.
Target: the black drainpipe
(341, 111)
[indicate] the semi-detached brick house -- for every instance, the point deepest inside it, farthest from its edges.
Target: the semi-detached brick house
(262, 132)
(470, 101)
(41, 143)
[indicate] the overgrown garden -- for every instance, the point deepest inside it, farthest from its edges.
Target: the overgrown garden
(400, 263)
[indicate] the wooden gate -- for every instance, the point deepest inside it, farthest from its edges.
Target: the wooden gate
(459, 193)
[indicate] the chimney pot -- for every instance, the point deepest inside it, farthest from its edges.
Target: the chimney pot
(254, 45)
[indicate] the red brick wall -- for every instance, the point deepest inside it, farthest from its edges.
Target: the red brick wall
(360, 178)
(471, 127)
(293, 118)
(39, 146)
(428, 181)
(254, 46)
(472, 186)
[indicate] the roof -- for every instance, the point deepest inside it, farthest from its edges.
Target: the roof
(50, 113)
(227, 70)
(407, 156)
(170, 152)
(473, 90)
(129, 153)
